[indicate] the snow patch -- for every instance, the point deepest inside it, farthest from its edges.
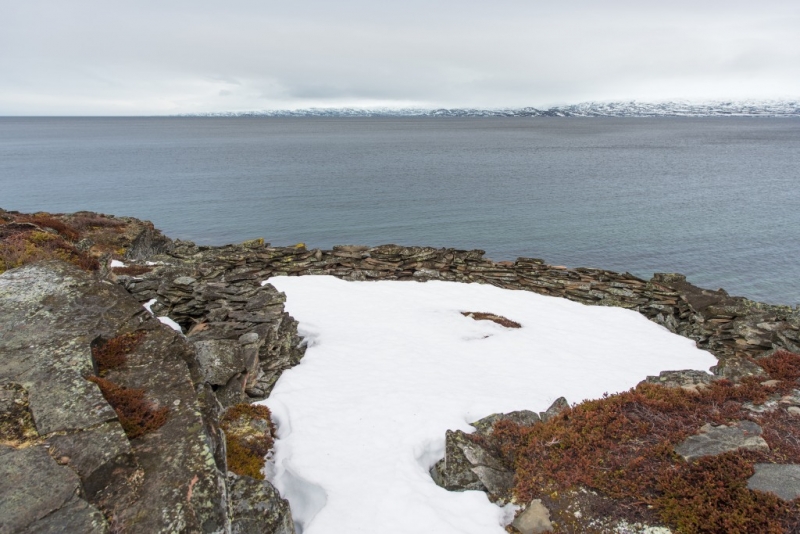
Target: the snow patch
(170, 323)
(392, 365)
(116, 263)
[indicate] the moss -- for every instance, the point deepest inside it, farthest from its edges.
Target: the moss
(136, 414)
(499, 319)
(112, 354)
(16, 422)
(622, 447)
(249, 436)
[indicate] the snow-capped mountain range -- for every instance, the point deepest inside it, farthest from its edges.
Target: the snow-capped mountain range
(746, 108)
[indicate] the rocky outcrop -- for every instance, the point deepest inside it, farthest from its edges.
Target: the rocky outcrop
(243, 337)
(59, 427)
(470, 464)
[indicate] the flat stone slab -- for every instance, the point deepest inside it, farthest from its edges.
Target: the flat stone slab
(781, 479)
(713, 440)
(33, 486)
(75, 516)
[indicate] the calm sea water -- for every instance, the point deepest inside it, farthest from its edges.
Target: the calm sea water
(715, 199)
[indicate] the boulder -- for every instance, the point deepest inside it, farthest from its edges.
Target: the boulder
(535, 519)
(257, 507)
(470, 466)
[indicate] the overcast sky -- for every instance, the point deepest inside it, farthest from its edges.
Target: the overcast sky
(109, 57)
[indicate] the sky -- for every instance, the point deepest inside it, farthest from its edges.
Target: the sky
(93, 57)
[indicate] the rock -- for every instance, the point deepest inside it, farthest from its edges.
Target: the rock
(535, 519)
(713, 440)
(469, 466)
(674, 379)
(35, 487)
(523, 418)
(735, 368)
(219, 359)
(50, 314)
(76, 516)
(257, 507)
(94, 454)
(558, 406)
(781, 479)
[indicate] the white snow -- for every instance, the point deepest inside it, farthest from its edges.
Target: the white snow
(170, 323)
(116, 263)
(391, 366)
(149, 304)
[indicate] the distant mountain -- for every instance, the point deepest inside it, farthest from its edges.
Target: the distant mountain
(747, 108)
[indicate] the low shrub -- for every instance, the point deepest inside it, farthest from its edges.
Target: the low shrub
(622, 446)
(781, 365)
(113, 353)
(29, 246)
(88, 222)
(249, 438)
(46, 221)
(136, 414)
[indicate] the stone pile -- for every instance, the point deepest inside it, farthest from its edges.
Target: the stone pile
(243, 337)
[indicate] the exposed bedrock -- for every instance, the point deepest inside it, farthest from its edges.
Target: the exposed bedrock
(72, 460)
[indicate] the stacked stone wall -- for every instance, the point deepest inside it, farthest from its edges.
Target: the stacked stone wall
(225, 280)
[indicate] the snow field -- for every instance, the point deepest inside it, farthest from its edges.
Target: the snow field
(391, 366)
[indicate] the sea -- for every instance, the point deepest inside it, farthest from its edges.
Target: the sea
(717, 199)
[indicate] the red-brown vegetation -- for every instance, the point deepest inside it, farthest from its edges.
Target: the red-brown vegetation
(622, 446)
(498, 319)
(113, 353)
(137, 415)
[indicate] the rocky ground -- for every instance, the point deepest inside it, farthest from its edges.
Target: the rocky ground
(136, 445)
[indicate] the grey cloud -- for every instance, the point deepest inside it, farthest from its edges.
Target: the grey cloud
(97, 57)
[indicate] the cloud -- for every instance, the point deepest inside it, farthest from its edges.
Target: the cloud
(94, 57)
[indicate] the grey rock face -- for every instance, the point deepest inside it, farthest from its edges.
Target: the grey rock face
(50, 313)
(469, 466)
(559, 405)
(34, 487)
(713, 440)
(257, 507)
(522, 417)
(781, 479)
